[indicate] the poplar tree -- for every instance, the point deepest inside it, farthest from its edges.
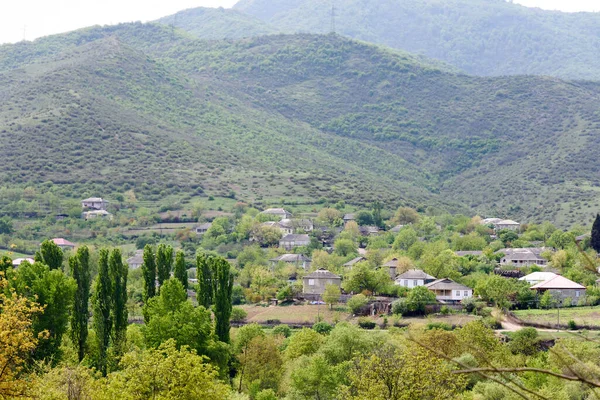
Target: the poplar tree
(205, 284)
(595, 239)
(118, 277)
(223, 287)
(80, 271)
(164, 263)
(180, 269)
(102, 308)
(149, 273)
(50, 254)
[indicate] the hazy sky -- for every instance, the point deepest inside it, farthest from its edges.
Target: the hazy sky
(30, 19)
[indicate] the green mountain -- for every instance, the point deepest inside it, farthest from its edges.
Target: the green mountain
(481, 37)
(300, 117)
(218, 23)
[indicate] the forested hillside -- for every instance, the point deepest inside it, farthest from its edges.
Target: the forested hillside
(302, 117)
(481, 37)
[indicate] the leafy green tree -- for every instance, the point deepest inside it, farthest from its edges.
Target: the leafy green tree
(595, 239)
(524, 341)
(314, 378)
(50, 254)
(118, 278)
(303, 343)
(405, 216)
(6, 225)
(102, 321)
(205, 280)
(80, 271)
(356, 302)
(223, 287)
(149, 273)
(332, 295)
(261, 363)
(496, 290)
(345, 342)
(364, 218)
(164, 262)
(405, 238)
(344, 247)
(362, 277)
(376, 208)
(180, 269)
(418, 298)
(54, 291)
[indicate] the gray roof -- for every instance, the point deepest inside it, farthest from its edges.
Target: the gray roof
(354, 261)
(276, 211)
(392, 263)
(348, 216)
(137, 259)
(468, 253)
(205, 225)
(534, 250)
(397, 228)
(322, 273)
(94, 200)
(296, 237)
(291, 258)
(446, 284)
(415, 274)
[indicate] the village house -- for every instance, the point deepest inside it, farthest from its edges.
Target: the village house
(315, 282)
(392, 267)
(102, 214)
(368, 230)
(448, 291)
(522, 257)
(348, 217)
(500, 224)
(63, 244)
(94, 203)
(278, 212)
(397, 228)
(305, 225)
(297, 260)
(17, 261)
(284, 226)
(463, 253)
(537, 277)
(561, 289)
(351, 263)
(413, 278)
(291, 241)
(137, 260)
(202, 228)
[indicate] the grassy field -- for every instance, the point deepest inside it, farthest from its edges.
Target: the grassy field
(581, 315)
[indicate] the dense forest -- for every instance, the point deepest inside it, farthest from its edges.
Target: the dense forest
(317, 117)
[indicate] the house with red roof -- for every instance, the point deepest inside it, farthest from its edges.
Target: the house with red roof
(64, 244)
(562, 289)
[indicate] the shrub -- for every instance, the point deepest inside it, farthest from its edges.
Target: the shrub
(266, 394)
(439, 325)
(238, 314)
(492, 323)
(355, 303)
(322, 327)
(273, 322)
(282, 330)
(445, 310)
(524, 341)
(399, 307)
(572, 325)
(366, 323)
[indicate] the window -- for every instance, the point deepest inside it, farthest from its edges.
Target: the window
(311, 282)
(458, 293)
(406, 282)
(466, 293)
(414, 283)
(577, 293)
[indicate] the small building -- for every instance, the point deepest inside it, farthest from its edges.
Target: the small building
(448, 291)
(291, 241)
(368, 230)
(538, 277)
(463, 253)
(284, 226)
(351, 263)
(561, 289)
(202, 228)
(392, 267)
(315, 282)
(137, 260)
(298, 260)
(278, 212)
(507, 224)
(521, 257)
(17, 261)
(348, 217)
(94, 214)
(94, 203)
(397, 228)
(305, 225)
(63, 243)
(413, 278)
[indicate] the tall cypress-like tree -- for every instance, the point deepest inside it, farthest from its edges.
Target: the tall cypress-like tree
(118, 277)
(80, 271)
(149, 273)
(164, 262)
(50, 254)
(180, 269)
(205, 281)
(595, 239)
(224, 285)
(102, 309)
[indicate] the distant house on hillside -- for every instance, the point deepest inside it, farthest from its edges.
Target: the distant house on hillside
(94, 203)
(499, 223)
(561, 289)
(392, 267)
(368, 230)
(284, 226)
(298, 260)
(305, 225)
(315, 282)
(448, 291)
(96, 214)
(63, 243)
(397, 228)
(413, 278)
(278, 212)
(17, 261)
(348, 217)
(538, 277)
(475, 253)
(522, 257)
(137, 260)
(202, 228)
(288, 242)
(351, 263)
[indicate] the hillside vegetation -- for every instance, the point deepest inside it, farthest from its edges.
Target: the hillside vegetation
(482, 37)
(300, 117)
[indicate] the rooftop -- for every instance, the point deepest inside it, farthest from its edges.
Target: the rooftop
(322, 273)
(415, 274)
(558, 282)
(446, 284)
(354, 261)
(291, 258)
(94, 200)
(299, 236)
(538, 276)
(62, 242)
